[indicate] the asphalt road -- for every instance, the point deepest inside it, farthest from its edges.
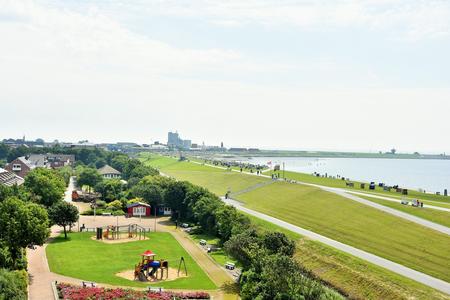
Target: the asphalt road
(438, 284)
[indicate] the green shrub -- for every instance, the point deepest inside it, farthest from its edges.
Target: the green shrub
(100, 204)
(13, 284)
(115, 205)
(118, 213)
(90, 212)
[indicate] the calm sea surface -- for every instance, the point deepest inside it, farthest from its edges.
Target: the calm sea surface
(429, 175)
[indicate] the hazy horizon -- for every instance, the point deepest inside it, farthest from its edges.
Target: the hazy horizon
(335, 75)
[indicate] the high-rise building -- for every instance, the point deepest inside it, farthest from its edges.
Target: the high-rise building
(173, 139)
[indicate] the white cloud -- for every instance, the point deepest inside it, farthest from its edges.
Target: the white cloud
(404, 19)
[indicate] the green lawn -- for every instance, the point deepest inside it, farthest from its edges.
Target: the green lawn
(341, 184)
(355, 224)
(433, 215)
(87, 259)
(216, 180)
(353, 276)
(219, 256)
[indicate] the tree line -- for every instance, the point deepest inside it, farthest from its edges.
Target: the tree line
(269, 269)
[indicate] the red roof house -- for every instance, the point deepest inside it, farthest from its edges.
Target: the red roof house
(139, 209)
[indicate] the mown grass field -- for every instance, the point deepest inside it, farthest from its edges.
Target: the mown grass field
(216, 180)
(412, 194)
(433, 215)
(81, 257)
(352, 276)
(355, 224)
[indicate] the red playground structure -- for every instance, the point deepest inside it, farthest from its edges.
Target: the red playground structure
(149, 267)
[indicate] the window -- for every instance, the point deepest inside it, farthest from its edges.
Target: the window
(139, 211)
(17, 167)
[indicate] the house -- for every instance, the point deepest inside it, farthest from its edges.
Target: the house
(138, 209)
(164, 211)
(9, 178)
(109, 172)
(60, 160)
(21, 166)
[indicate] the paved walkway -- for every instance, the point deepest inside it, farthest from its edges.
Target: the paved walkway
(41, 277)
(438, 284)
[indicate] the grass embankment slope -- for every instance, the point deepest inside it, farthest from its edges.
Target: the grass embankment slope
(355, 224)
(333, 182)
(350, 222)
(81, 257)
(217, 180)
(355, 277)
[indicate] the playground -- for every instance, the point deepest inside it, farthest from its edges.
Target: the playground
(112, 234)
(158, 260)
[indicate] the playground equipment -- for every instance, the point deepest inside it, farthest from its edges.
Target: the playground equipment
(149, 267)
(112, 232)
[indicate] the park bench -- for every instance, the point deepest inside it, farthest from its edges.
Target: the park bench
(230, 266)
(88, 284)
(154, 289)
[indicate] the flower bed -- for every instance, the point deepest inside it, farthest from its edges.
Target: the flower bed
(73, 292)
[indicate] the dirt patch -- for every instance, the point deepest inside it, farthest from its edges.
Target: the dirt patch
(121, 240)
(172, 275)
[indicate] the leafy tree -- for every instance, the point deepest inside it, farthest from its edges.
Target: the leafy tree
(101, 162)
(141, 171)
(151, 193)
(65, 172)
(46, 186)
(230, 221)
(109, 189)
(22, 224)
(119, 162)
(204, 212)
(89, 177)
(244, 246)
(278, 242)
(280, 277)
(4, 151)
(63, 214)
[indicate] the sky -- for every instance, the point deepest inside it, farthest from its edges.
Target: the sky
(273, 74)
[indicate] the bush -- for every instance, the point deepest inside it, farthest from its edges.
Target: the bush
(118, 213)
(115, 205)
(13, 284)
(100, 204)
(90, 212)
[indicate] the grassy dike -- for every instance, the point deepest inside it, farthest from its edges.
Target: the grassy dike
(339, 219)
(333, 182)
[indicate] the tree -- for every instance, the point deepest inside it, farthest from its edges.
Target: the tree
(151, 193)
(22, 224)
(243, 247)
(46, 186)
(109, 189)
(204, 212)
(230, 221)
(278, 242)
(393, 151)
(89, 177)
(63, 214)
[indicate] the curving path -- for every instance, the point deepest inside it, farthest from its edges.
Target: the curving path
(438, 284)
